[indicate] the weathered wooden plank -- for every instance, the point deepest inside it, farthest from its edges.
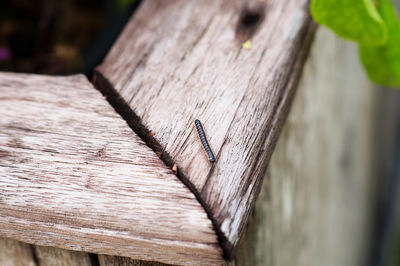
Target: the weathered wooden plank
(50, 256)
(15, 253)
(74, 175)
(187, 63)
(105, 260)
(317, 203)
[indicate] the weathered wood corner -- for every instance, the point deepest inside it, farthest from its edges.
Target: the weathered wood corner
(74, 175)
(188, 63)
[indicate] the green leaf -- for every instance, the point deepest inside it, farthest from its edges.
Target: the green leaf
(382, 63)
(357, 20)
(124, 3)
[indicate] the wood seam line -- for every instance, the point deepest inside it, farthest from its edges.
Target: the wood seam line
(94, 259)
(23, 141)
(284, 102)
(34, 255)
(101, 83)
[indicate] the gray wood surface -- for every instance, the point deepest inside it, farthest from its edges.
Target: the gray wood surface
(317, 204)
(15, 253)
(74, 175)
(318, 195)
(187, 63)
(50, 256)
(105, 260)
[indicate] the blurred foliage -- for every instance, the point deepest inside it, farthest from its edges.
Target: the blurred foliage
(383, 62)
(124, 3)
(394, 253)
(47, 36)
(374, 26)
(357, 20)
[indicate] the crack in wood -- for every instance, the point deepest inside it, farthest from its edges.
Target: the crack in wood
(134, 122)
(34, 255)
(261, 77)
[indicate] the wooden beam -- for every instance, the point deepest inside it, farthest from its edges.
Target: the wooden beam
(74, 175)
(105, 260)
(187, 62)
(317, 204)
(16, 253)
(51, 256)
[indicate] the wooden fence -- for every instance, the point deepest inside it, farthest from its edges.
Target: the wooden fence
(124, 177)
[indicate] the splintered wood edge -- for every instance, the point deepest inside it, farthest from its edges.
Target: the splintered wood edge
(156, 67)
(74, 175)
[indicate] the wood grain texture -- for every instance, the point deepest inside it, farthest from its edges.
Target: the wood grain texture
(15, 253)
(317, 203)
(74, 175)
(50, 256)
(187, 63)
(105, 260)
